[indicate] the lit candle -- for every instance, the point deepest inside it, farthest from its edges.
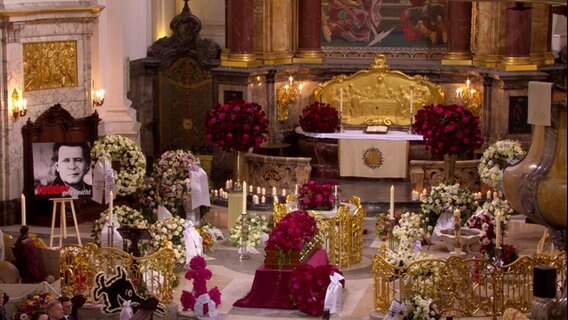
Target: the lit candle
(283, 192)
(250, 188)
(458, 92)
(335, 191)
(23, 199)
(258, 190)
(391, 210)
(275, 199)
(227, 185)
(300, 88)
(290, 79)
(296, 189)
(340, 100)
(411, 102)
(244, 197)
(216, 193)
(255, 199)
(263, 191)
(110, 200)
(498, 229)
(457, 216)
(495, 195)
(262, 199)
(488, 195)
(467, 82)
(274, 191)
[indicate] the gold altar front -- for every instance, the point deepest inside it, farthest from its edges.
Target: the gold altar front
(341, 232)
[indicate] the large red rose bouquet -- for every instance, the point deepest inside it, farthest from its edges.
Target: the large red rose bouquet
(314, 195)
(319, 117)
(199, 274)
(293, 232)
(448, 129)
(237, 125)
(308, 286)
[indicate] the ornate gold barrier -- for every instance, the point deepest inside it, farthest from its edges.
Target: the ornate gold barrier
(80, 264)
(462, 287)
(341, 233)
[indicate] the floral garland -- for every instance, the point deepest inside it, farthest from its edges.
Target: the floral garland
(256, 225)
(494, 160)
(129, 155)
(168, 233)
(448, 198)
(448, 129)
(293, 232)
(236, 126)
(319, 117)
(171, 177)
(32, 305)
(314, 195)
(308, 286)
(421, 308)
(126, 217)
(199, 273)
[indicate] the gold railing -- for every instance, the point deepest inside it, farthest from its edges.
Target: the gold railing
(342, 234)
(153, 274)
(462, 287)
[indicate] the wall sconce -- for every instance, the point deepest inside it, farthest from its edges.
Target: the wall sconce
(469, 97)
(287, 95)
(98, 96)
(19, 106)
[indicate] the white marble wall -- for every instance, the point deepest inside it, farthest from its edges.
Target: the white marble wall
(212, 16)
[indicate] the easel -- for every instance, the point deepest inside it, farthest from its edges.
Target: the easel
(62, 221)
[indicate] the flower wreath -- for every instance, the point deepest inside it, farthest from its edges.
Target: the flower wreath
(450, 197)
(32, 305)
(128, 154)
(494, 160)
(168, 233)
(308, 286)
(126, 217)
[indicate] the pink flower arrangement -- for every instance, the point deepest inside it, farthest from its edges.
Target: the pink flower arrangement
(293, 232)
(236, 126)
(308, 286)
(448, 129)
(319, 117)
(199, 273)
(314, 195)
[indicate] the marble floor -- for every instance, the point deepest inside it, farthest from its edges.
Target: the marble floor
(234, 277)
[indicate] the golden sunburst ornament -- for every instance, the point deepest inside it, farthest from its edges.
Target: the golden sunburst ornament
(373, 158)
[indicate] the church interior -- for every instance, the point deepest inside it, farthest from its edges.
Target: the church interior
(286, 159)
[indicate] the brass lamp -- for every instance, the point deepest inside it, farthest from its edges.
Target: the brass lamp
(19, 106)
(98, 98)
(286, 95)
(469, 97)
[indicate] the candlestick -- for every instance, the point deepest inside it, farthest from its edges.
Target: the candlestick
(110, 207)
(244, 197)
(391, 210)
(498, 229)
(23, 204)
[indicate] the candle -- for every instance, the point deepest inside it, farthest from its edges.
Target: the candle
(244, 197)
(391, 210)
(216, 193)
(255, 199)
(263, 191)
(110, 200)
(411, 102)
(296, 189)
(335, 191)
(340, 101)
(498, 229)
(275, 199)
(495, 195)
(467, 82)
(262, 199)
(424, 192)
(457, 216)
(488, 195)
(258, 190)
(250, 188)
(283, 192)
(23, 204)
(227, 185)
(273, 191)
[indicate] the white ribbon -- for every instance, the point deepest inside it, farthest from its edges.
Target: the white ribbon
(203, 300)
(109, 179)
(199, 188)
(98, 182)
(193, 241)
(395, 311)
(333, 294)
(126, 313)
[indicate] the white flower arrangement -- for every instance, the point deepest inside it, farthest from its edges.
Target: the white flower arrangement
(257, 225)
(129, 155)
(168, 233)
(172, 179)
(421, 308)
(497, 205)
(448, 198)
(126, 217)
(494, 160)
(411, 227)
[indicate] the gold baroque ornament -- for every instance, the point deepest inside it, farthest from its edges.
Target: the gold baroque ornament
(373, 158)
(49, 65)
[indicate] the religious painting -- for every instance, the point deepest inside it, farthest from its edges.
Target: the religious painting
(410, 27)
(49, 65)
(62, 169)
(518, 115)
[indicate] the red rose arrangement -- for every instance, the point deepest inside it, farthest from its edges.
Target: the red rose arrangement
(199, 273)
(236, 126)
(486, 222)
(308, 286)
(319, 117)
(293, 232)
(448, 129)
(314, 195)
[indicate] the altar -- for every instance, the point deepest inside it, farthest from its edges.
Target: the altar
(360, 154)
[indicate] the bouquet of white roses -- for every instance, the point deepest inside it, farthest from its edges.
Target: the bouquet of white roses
(421, 308)
(256, 224)
(126, 217)
(411, 227)
(130, 157)
(448, 198)
(168, 233)
(494, 160)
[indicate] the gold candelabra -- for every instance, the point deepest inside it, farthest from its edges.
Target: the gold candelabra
(98, 96)
(469, 97)
(286, 95)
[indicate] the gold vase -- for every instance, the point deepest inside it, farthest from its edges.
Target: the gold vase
(450, 167)
(239, 165)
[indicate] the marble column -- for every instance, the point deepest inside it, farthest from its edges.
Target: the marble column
(459, 44)
(516, 54)
(309, 30)
(241, 34)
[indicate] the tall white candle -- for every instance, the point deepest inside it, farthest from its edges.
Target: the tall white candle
(391, 210)
(296, 189)
(23, 199)
(335, 191)
(411, 102)
(457, 216)
(274, 191)
(244, 197)
(498, 229)
(110, 207)
(340, 100)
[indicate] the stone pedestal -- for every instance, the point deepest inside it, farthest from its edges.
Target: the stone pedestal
(234, 209)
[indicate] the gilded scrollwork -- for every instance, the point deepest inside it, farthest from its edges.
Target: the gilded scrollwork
(49, 65)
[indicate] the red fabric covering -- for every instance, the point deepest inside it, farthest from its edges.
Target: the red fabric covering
(271, 287)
